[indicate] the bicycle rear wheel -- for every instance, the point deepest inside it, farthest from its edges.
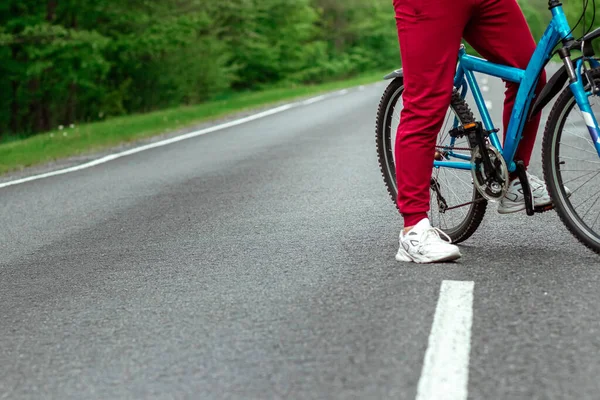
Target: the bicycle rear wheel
(570, 160)
(466, 207)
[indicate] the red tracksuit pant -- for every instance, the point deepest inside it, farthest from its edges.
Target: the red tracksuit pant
(430, 32)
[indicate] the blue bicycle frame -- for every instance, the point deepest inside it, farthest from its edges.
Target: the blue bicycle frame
(527, 79)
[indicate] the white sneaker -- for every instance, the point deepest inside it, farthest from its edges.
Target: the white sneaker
(423, 244)
(514, 200)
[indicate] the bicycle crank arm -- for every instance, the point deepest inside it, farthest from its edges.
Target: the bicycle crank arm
(522, 174)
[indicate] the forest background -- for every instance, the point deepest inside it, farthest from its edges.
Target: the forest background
(68, 62)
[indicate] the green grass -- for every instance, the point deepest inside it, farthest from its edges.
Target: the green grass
(17, 153)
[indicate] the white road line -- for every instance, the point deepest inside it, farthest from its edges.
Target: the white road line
(445, 373)
(485, 88)
(489, 105)
(484, 80)
(314, 100)
(166, 142)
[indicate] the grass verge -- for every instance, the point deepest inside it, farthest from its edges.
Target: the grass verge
(16, 154)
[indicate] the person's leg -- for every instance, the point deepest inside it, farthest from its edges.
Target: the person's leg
(429, 33)
(499, 32)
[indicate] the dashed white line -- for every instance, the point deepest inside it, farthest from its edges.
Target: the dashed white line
(485, 88)
(445, 373)
(166, 142)
(489, 105)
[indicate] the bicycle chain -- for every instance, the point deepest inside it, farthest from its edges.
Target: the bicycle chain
(479, 200)
(453, 148)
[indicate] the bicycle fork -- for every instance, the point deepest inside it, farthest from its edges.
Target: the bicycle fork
(582, 97)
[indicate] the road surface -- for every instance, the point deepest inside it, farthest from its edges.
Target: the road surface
(258, 262)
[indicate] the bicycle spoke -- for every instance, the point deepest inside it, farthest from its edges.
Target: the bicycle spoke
(446, 185)
(580, 137)
(592, 206)
(579, 170)
(458, 199)
(579, 159)
(456, 175)
(586, 200)
(573, 192)
(596, 220)
(434, 199)
(444, 126)
(455, 195)
(444, 218)
(580, 149)
(579, 177)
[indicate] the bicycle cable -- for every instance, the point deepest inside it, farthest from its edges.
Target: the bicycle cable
(584, 4)
(593, 19)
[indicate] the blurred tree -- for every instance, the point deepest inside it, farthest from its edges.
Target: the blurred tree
(65, 61)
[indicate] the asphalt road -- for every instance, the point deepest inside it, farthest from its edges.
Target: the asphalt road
(258, 262)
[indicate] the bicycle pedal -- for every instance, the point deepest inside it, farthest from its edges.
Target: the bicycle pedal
(543, 209)
(457, 133)
(463, 130)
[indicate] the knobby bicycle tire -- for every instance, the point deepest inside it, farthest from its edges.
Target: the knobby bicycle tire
(551, 165)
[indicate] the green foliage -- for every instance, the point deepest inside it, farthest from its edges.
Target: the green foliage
(573, 9)
(538, 16)
(81, 60)
(71, 61)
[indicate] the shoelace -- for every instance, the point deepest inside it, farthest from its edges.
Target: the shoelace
(533, 178)
(432, 231)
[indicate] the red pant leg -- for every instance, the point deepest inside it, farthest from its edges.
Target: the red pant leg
(499, 32)
(429, 32)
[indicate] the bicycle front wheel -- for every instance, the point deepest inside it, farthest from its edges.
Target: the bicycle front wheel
(572, 167)
(456, 207)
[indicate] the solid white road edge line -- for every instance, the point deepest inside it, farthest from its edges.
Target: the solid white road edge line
(445, 373)
(179, 138)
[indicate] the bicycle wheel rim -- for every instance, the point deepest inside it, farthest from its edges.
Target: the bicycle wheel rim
(582, 207)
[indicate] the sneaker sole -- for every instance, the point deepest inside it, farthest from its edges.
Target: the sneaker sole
(520, 207)
(510, 210)
(403, 256)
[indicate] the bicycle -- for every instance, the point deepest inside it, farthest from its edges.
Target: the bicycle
(473, 146)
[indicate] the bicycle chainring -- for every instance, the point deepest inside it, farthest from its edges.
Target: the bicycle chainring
(487, 182)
